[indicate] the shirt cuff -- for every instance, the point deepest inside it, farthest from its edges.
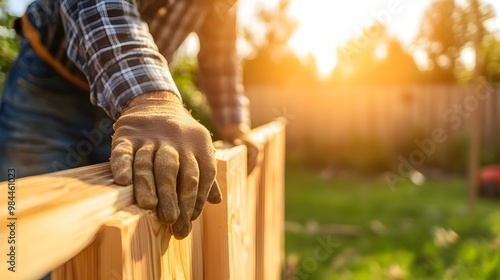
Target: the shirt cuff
(141, 75)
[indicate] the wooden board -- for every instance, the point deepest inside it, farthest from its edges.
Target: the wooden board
(270, 202)
(134, 245)
(58, 215)
(229, 228)
(226, 238)
(79, 222)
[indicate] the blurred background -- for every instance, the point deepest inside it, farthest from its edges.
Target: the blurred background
(389, 103)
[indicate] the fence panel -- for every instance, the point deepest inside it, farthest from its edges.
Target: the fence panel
(80, 225)
(385, 114)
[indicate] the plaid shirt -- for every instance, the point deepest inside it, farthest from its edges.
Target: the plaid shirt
(118, 49)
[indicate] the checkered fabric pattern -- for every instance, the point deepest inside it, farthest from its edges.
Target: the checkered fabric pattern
(119, 49)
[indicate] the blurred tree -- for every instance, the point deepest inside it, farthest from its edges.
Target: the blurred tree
(275, 27)
(185, 71)
(9, 43)
(398, 67)
(484, 42)
(271, 61)
(443, 35)
(288, 69)
(491, 65)
(446, 29)
(379, 60)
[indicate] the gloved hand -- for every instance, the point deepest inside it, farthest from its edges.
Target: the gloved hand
(169, 157)
(240, 135)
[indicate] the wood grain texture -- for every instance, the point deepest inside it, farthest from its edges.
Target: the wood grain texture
(249, 243)
(82, 226)
(58, 215)
(270, 202)
(133, 244)
(229, 227)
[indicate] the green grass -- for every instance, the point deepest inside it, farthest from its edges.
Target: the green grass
(398, 229)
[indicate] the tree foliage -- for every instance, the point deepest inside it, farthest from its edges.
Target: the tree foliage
(446, 29)
(491, 65)
(272, 62)
(185, 72)
(276, 29)
(9, 43)
(374, 58)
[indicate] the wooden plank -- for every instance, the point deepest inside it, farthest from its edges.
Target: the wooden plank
(73, 209)
(474, 152)
(58, 215)
(197, 253)
(218, 240)
(133, 244)
(229, 227)
(270, 202)
(119, 239)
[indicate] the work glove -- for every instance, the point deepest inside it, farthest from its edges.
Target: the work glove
(240, 135)
(170, 159)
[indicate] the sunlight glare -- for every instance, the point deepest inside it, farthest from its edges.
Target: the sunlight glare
(326, 25)
(320, 28)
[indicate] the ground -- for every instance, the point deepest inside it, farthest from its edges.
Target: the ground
(411, 232)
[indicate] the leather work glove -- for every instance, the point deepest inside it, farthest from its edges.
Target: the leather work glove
(168, 156)
(240, 135)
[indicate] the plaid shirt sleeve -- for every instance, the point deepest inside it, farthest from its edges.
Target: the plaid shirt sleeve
(219, 69)
(111, 45)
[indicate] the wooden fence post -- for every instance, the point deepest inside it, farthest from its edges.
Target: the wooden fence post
(229, 228)
(133, 244)
(270, 201)
(82, 226)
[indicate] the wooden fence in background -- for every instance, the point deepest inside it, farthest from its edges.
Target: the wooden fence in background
(384, 114)
(80, 225)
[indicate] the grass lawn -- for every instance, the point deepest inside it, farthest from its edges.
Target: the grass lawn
(411, 232)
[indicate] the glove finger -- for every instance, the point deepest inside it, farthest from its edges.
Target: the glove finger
(187, 192)
(208, 170)
(215, 194)
(144, 183)
(121, 161)
(166, 168)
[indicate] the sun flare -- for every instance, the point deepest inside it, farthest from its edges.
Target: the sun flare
(324, 25)
(320, 29)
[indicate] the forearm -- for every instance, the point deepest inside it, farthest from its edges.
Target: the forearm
(112, 46)
(220, 71)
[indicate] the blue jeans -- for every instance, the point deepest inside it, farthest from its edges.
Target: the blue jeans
(46, 123)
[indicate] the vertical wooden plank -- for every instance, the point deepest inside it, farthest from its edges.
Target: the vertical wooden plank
(58, 215)
(474, 152)
(487, 117)
(228, 239)
(496, 93)
(133, 244)
(197, 249)
(275, 240)
(270, 206)
(74, 270)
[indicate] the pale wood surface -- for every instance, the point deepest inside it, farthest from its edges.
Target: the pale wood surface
(270, 202)
(133, 244)
(58, 215)
(230, 226)
(80, 213)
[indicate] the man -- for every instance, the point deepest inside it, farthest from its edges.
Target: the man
(105, 48)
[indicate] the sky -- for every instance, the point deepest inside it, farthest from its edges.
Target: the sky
(324, 25)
